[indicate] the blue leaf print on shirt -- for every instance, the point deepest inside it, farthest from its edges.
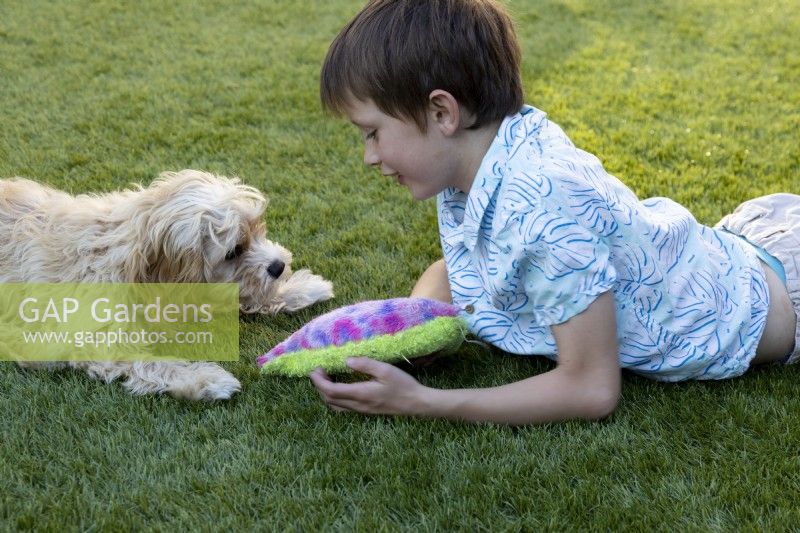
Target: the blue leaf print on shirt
(593, 203)
(638, 278)
(464, 282)
(526, 191)
(672, 224)
(492, 326)
(557, 246)
(759, 301)
(699, 304)
(523, 335)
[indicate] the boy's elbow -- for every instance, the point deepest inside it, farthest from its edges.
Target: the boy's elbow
(602, 401)
(602, 406)
(594, 392)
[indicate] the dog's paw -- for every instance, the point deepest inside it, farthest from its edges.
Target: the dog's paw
(203, 381)
(221, 389)
(302, 289)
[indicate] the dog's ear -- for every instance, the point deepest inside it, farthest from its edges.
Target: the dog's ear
(169, 237)
(170, 251)
(178, 254)
(137, 267)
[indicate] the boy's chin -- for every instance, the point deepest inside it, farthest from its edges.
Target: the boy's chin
(422, 195)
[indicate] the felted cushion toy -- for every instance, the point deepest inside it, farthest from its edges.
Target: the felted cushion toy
(386, 330)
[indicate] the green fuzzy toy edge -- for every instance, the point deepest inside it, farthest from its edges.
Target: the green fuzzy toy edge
(443, 334)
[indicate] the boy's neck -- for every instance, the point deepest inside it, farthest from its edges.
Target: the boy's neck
(473, 145)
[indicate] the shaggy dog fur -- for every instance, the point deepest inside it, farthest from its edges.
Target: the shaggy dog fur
(187, 226)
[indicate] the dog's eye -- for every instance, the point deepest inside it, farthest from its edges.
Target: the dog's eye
(236, 252)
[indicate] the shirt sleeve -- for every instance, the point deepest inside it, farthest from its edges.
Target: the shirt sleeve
(553, 267)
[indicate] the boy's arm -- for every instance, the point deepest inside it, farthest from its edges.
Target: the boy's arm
(585, 384)
(433, 283)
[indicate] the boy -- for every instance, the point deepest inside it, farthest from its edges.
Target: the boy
(544, 251)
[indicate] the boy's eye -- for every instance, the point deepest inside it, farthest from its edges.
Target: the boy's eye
(370, 135)
(236, 252)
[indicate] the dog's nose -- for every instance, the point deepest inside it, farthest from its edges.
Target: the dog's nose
(276, 269)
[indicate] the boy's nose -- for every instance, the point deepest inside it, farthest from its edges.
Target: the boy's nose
(371, 158)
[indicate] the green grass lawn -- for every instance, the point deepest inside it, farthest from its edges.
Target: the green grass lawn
(693, 100)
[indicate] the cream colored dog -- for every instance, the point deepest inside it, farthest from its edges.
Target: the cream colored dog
(187, 226)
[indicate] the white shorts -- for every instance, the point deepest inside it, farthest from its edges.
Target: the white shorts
(773, 223)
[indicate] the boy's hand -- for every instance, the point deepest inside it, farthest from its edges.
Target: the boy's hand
(390, 392)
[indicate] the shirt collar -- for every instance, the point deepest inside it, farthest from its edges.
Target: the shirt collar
(510, 136)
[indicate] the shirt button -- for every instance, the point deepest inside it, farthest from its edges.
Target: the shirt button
(470, 309)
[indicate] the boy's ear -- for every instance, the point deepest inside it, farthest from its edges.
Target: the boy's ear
(444, 112)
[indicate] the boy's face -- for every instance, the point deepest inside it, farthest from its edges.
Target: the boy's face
(420, 161)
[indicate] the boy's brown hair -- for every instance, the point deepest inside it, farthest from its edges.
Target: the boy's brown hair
(395, 52)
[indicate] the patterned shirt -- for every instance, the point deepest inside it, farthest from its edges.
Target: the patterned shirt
(545, 230)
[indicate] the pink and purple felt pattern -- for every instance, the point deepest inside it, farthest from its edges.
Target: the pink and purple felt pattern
(359, 322)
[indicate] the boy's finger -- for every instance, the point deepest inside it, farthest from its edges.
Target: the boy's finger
(325, 385)
(319, 377)
(341, 405)
(332, 389)
(320, 381)
(347, 391)
(365, 365)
